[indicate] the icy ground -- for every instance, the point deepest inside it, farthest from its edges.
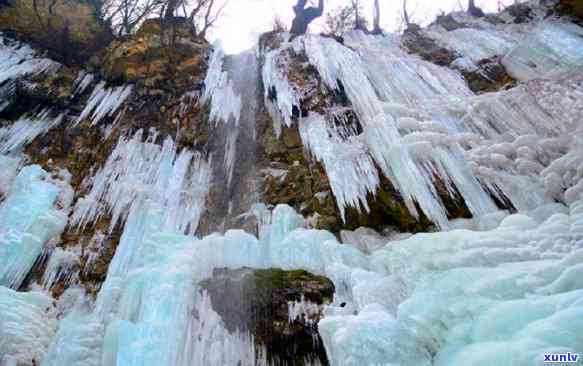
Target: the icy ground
(498, 289)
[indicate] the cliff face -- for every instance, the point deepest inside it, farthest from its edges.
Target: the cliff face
(119, 155)
(69, 30)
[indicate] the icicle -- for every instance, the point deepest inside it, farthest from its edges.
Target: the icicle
(82, 82)
(104, 102)
(225, 104)
(18, 60)
(138, 171)
(350, 169)
(17, 135)
(60, 268)
(280, 98)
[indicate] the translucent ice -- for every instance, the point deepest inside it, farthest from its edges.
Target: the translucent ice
(29, 218)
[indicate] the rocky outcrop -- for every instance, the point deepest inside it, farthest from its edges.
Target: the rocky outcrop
(69, 30)
(416, 42)
(572, 8)
(279, 308)
(160, 56)
(490, 76)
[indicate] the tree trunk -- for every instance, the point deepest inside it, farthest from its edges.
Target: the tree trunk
(406, 14)
(377, 18)
(304, 17)
(170, 8)
(473, 10)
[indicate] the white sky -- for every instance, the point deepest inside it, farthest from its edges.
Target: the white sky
(244, 20)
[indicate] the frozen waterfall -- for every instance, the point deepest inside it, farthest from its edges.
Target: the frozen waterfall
(504, 287)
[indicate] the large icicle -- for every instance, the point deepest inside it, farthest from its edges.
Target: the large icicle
(399, 159)
(350, 169)
(225, 104)
(17, 135)
(103, 102)
(137, 172)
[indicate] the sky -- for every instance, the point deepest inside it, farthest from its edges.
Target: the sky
(244, 20)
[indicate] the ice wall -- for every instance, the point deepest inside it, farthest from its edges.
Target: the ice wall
(34, 212)
(454, 296)
(423, 127)
(27, 325)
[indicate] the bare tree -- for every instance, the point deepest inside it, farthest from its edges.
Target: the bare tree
(125, 16)
(304, 16)
(474, 10)
(340, 20)
(205, 14)
(406, 14)
(359, 21)
(343, 19)
(377, 18)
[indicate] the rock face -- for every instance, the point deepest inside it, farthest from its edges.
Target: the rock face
(259, 301)
(69, 30)
(417, 43)
(490, 76)
(571, 7)
(156, 52)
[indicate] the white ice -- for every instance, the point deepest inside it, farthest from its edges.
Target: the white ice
(27, 325)
(103, 101)
(140, 171)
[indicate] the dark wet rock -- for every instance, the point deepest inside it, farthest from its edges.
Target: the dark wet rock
(258, 302)
(418, 43)
(448, 22)
(521, 12)
(573, 8)
(70, 31)
(490, 76)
